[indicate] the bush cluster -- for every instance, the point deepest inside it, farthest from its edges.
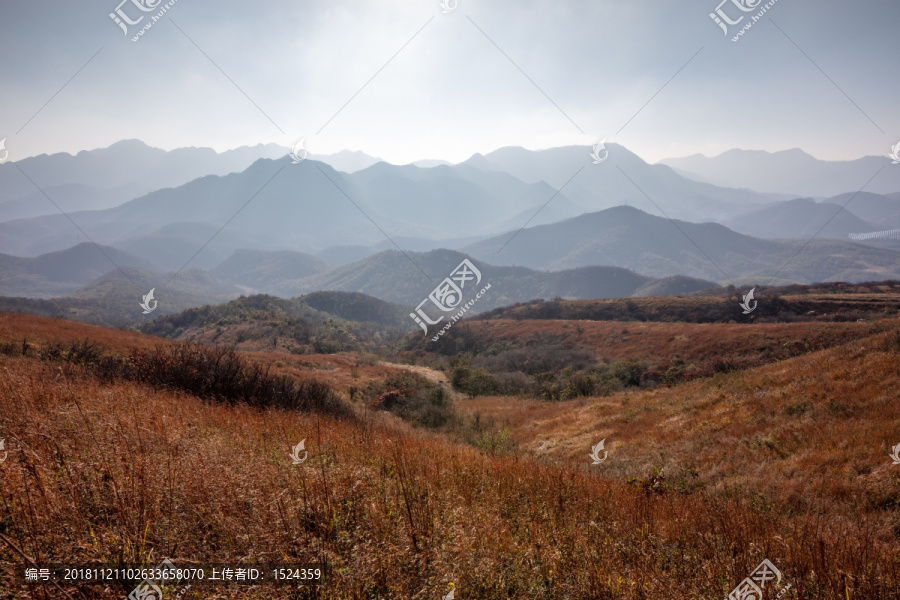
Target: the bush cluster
(222, 375)
(213, 373)
(413, 398)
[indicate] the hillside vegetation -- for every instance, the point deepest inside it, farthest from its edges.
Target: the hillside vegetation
(323, 322)
(787, 461)
(825, 301)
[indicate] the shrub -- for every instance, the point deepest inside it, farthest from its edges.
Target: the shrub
(477, 382)
(415, 399)
(213, 373)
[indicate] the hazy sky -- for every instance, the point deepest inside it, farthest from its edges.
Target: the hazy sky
(450, 91)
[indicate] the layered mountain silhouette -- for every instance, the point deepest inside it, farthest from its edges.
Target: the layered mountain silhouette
(542, 223)
(62, 272)
(114, 298)
(653, 246)
(407, 278)
(624, 178)
(258, 269)
(791, 172)
(801, 218)
(107, 177)
(392, 276)
(307, 207)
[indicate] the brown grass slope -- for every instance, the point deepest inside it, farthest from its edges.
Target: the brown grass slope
(808, 435)
(702, 344)
(120, 472)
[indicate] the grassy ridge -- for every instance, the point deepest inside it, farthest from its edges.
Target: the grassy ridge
(118, 471)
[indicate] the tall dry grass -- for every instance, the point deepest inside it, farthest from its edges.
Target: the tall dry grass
(118, 471)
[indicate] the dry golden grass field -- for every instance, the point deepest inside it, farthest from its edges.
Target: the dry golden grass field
(782, 457)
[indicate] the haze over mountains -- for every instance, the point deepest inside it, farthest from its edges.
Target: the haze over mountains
(791, 172)
(629, 238)
(250, 221)
(107, 177)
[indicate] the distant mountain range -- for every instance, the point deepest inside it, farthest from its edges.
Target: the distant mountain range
(63, 272)
(108, 177)
(629, 238)
(624, 178)
(114, 299)
(542, 224)
(792, 172)
(258, 269)
(801, 218)
(347, 161)
(306, 207)
(391, 276)
(396, 277)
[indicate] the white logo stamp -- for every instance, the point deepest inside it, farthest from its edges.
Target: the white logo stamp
(298, 152)
(148, 298)
(296, 450)
(595, 453)
(723, 20)
(122, 19)
(748, 298)
(600, 153)
(752, 587)
(448, 296)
